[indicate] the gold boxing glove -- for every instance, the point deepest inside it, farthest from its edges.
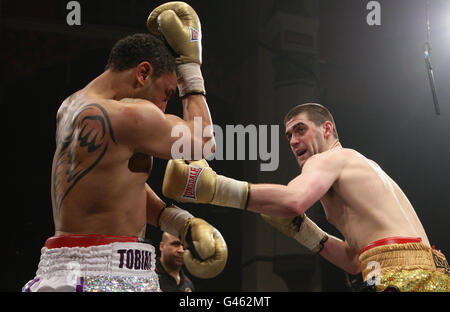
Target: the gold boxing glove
(300, 228)
(196, 182)
(206, 252)
(180, 26)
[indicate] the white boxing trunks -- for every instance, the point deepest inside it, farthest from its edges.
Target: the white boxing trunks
(103, 263)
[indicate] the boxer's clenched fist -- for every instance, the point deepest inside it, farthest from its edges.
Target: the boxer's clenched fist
(180, 26)
(300, 228)
(206, 252)
(196, 182)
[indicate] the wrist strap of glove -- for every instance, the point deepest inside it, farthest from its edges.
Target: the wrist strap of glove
(191, 80)
(158, 224)
(309, 234)
(173, 220)
(231, 193)
(194, 93)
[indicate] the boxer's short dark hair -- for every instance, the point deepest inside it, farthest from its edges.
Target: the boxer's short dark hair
(317, 113)
(128, 52)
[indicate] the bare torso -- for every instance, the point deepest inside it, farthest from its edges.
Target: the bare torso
(366, 205)
(98, 184)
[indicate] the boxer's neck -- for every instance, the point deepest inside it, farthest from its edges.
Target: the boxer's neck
(334, 144)
(113, 85)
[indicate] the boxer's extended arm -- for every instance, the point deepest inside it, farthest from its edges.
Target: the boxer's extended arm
(318, 175)
(197, 182)
(341, 255)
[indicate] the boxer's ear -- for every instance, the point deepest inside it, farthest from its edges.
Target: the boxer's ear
(328, 129)
(144, 71)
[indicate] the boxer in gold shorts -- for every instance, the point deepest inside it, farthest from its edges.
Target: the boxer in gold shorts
(383, 236)
(404, 264)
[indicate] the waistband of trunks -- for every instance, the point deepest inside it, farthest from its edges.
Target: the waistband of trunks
(396, 257)
(87, 240)
(391, 240)
(108, 258)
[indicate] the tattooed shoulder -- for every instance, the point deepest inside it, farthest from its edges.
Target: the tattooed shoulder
(87, 131)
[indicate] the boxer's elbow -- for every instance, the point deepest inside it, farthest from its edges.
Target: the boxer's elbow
(204, 147)
(208, 142)
(208, 145)
(294, 206)
(299, 200)
(353, 266)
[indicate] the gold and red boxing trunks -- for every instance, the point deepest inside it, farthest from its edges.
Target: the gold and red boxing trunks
(404, 264)
(95, 263)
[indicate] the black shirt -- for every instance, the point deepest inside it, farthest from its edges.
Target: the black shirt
(169, 284)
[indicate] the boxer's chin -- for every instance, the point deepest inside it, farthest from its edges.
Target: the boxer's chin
(300, 162)
(302, 159)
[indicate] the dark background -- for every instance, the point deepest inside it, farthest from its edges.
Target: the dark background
(372, 78)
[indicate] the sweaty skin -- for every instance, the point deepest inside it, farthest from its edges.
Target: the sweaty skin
(358, 197)
(365, 204)
(106, 136)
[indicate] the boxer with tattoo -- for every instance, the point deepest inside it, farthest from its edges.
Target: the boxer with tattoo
(106, 137)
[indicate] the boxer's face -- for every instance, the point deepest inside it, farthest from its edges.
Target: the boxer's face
(158, 90)
(305, 138)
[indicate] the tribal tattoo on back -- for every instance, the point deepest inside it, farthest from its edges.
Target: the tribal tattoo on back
(89, 133)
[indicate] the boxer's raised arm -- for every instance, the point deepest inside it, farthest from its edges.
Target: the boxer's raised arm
(179, 25)
(142, 126)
